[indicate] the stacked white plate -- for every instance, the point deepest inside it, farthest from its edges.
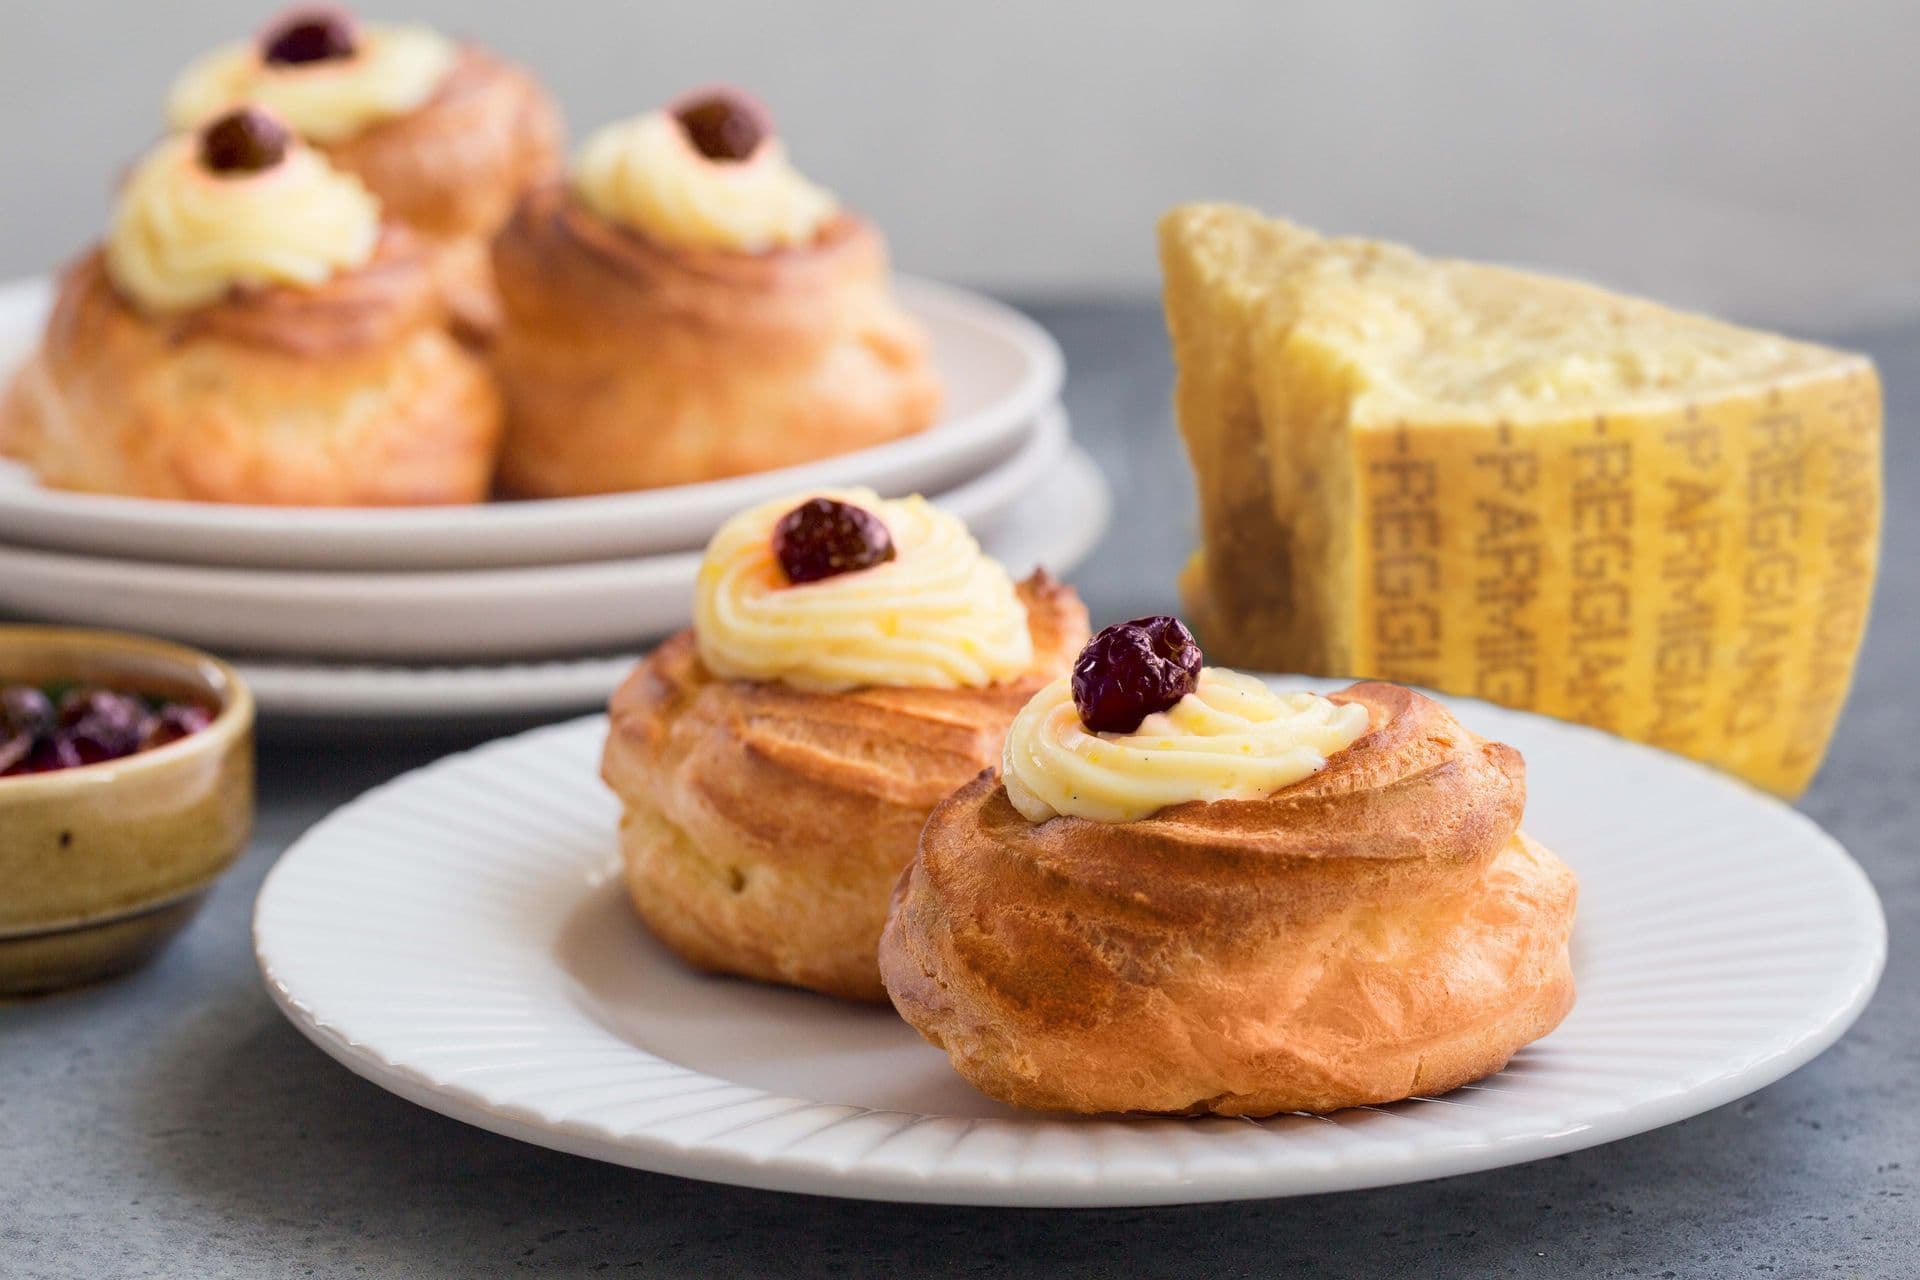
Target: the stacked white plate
(519, 606)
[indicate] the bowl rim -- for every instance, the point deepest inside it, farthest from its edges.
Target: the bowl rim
(233, 718)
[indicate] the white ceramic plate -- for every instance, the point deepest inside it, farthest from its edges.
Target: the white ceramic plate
(1059, 533)
(444, 615)
(460, 938)
(1000, 369)
(348, 691)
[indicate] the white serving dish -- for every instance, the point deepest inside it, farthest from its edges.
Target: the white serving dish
(427, 615)
(1059, 533)
(460, 938)
(1000, 368)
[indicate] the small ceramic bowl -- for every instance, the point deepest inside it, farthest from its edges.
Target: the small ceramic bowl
(101, 864)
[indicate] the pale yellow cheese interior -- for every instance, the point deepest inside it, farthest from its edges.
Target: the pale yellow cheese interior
(1523, 488)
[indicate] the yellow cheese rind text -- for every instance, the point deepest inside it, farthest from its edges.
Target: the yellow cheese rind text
(1523, 489)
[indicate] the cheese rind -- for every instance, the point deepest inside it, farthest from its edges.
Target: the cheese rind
(1523, 489)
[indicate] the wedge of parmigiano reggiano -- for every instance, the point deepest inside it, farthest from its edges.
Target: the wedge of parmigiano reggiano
(1524, 489)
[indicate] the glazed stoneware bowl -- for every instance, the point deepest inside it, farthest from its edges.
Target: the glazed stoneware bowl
(102, 864)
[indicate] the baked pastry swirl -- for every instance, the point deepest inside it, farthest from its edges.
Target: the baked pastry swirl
(765, 824)
(253, 336)
(1380, 929)
(447, 135)
(672, 316)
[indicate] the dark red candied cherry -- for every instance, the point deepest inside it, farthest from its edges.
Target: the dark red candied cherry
(96, 741)
(318, 34)
(248, 140)
(1133, 669)
(14, 749)
(172, 722)
(90, 702)
(50, 755)
(25, 710)
(100, 724)
(723, 126)
(823, 538)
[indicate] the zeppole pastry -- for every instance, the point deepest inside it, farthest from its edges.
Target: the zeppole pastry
(251, 332)
(851, 662)
(688, 306)
(1525, 489)
(445, 134)
(1188, 893)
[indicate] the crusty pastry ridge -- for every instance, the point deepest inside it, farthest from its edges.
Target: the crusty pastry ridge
(351, 393)
(629, 363)
(1377, 931)
(765, 826)
(453, 169)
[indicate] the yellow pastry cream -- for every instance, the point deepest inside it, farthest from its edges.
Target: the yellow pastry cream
(182, 234)
(940, 614)
(1232, 738)
(648, 175)
(391, 71)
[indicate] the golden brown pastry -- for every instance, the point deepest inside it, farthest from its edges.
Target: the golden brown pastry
(447, 135)
(1376, 930)
(768, 812)
(689, 307)
(250, 332)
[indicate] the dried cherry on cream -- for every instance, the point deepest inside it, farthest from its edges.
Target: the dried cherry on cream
(309, 35)
(722, 126)
(244, 141)
(1132, 670)
(824, 537)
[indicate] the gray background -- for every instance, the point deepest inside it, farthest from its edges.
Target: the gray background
(173, 1124)
(1749, 156)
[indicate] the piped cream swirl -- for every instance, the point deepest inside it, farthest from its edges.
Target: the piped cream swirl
(1232, 738)
(393, 70)
(646, 175)
(940, 615)
(182, 236)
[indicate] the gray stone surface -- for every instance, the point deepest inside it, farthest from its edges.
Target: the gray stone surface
(172, 1124)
